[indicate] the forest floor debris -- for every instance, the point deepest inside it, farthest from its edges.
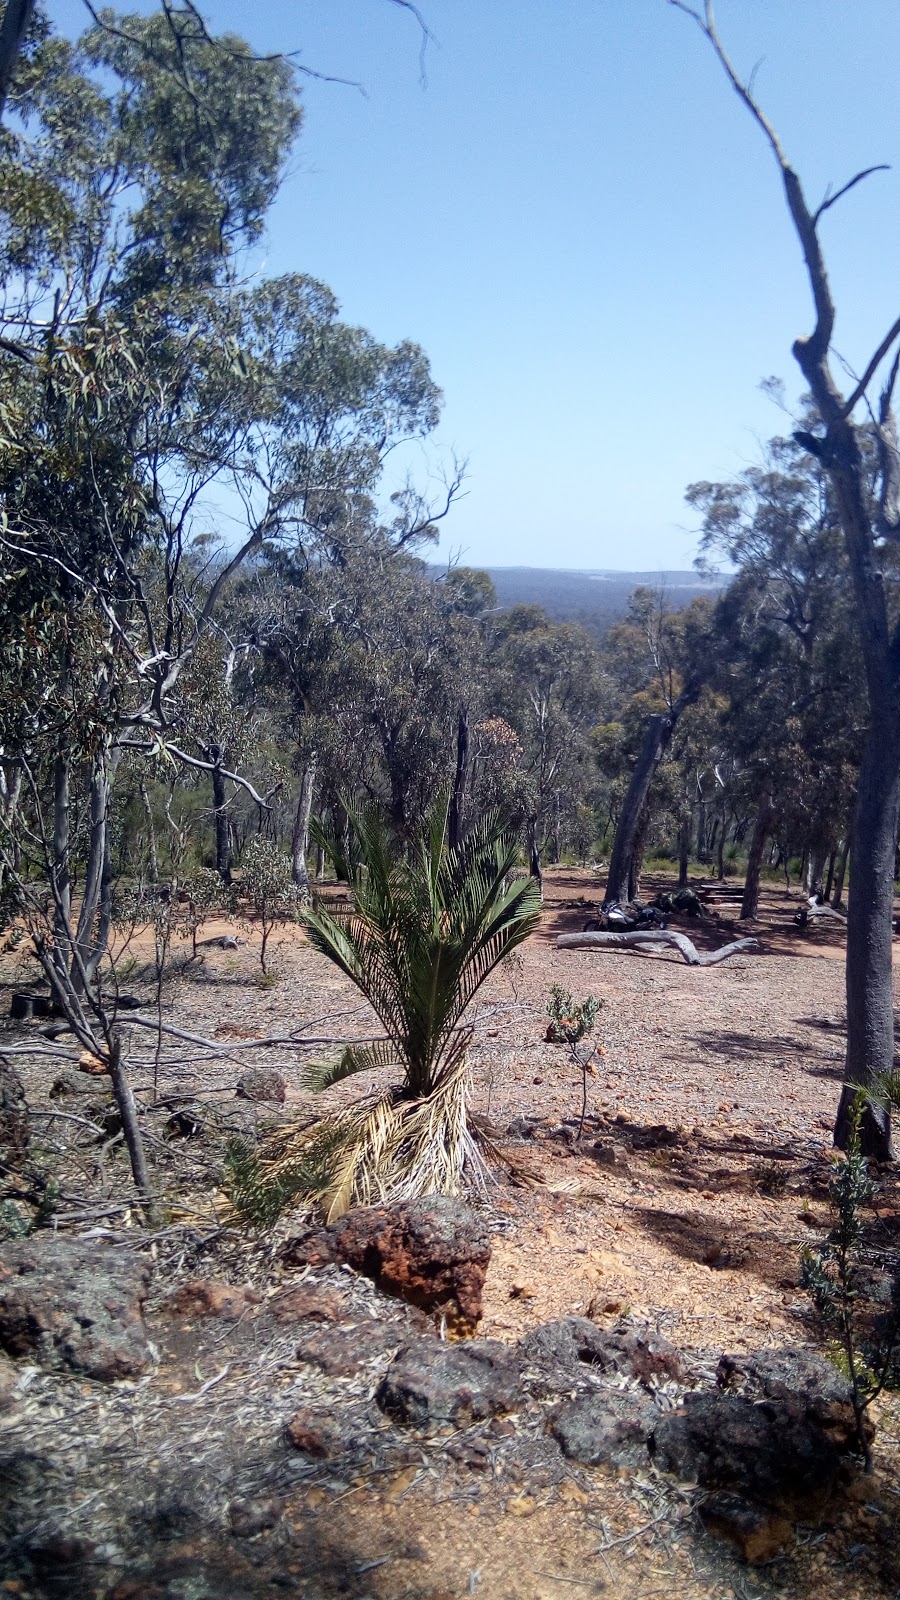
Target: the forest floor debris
(717, 1090)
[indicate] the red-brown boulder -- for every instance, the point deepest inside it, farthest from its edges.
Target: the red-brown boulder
(433, 1253)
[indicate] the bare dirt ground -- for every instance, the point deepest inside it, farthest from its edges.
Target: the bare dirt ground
(718, 1087)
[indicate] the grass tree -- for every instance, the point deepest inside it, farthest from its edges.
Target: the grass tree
(424, 932)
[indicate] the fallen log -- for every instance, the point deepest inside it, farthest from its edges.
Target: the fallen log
(655, 941)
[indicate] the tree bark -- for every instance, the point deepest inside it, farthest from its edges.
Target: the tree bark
(131, 1131)
(750, 901)
(16, 17)
(837, 898)
(657, 737)
(684, 852)
(300, 838)
(152, 857)
(829, 876)
(455, 816)
(223, 845)
(655, 941)
(870, 1000)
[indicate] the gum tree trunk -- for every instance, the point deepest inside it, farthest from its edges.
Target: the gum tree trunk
(300, 838)
(750, 901)
(632, 818)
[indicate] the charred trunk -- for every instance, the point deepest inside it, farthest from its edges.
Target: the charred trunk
(632, 819)
(455, 816)
(223, 834)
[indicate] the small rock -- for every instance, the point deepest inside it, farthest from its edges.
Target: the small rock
(9, 1382)
(204, 1298)
(75, 1303)
(757, 1533)
(612, 1426)
(432, 1252)
(522, 1127)
(248, 1517)
(14, 1130)
(95, 1066)
(315, 1433)
(308, 1301)
(67, 1084)
(61, 1559)
(559, 1352)
(262, 1084)
(609, 1154)
(184, 1124)
(522, 1291)
(341, 1352)
(433, 1384)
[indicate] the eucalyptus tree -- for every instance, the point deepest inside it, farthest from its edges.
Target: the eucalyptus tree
(663, 659)
(869, 519)
(547, 685)
(786, 653)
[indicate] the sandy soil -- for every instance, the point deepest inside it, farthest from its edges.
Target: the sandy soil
(718, 1088)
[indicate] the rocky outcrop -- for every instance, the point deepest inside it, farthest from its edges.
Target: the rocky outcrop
(433, 1253)
(433, 1385)
(263, 1084)
(73, 1303)
(760, 1452)
(573, 1348)
(609, 1427)
(806, 1386)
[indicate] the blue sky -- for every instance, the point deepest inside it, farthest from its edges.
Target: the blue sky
(579, 222)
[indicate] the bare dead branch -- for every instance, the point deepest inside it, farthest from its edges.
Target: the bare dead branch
(658, 939)
(832, 199)
(873, 365)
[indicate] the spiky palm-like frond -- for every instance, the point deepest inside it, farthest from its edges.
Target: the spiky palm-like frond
(424, 934)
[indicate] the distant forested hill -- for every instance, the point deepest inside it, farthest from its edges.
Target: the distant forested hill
(597, 598)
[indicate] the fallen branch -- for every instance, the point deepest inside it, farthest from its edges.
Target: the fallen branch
(655, 941)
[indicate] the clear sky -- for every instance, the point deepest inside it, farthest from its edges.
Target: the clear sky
(578, 221)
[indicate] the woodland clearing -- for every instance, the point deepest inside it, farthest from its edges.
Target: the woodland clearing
(716, 1095)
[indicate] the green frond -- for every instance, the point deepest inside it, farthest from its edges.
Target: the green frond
(319, 1075)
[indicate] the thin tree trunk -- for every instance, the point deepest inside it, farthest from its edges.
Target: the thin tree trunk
(829, 880)
(684, 852)
(720, 855)
(534, 858)
(657, 737)
(637, 858)
(750, 901)
(127, 1108)
(320, 863)
(16, 17)
(870, 1000)
(702, 850)
(300, 839)
(152, 856)
(223, 848)
(59, 868)
(456, 814)
(838, 896)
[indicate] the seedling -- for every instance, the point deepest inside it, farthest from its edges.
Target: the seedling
(570, 1022)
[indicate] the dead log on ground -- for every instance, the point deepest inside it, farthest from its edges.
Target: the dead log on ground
(655, 941)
